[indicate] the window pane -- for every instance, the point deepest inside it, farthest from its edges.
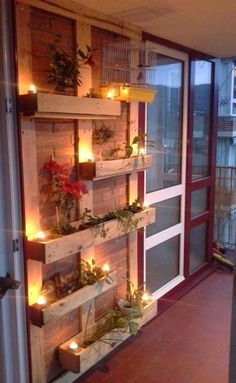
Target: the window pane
(164, 120)
(198, 202)
(197, 247)
(201, 117)
(162, 264)
(167, 215)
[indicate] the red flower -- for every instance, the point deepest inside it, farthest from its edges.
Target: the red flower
(51, 166)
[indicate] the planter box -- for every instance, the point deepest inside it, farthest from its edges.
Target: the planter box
(42, 315)
(60, 106)
(103, 169)
(81, 359)
(52, 250)
(130, 94)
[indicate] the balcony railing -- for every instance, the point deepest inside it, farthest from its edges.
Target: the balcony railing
(225, 205)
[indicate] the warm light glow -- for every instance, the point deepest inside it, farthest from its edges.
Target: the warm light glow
(146, 297)
(40, 236)
(124, 91)
(41, 300)
(106, 268)
(85, 156)
(73, 346)
(32, 89)
(110, 93)
(142, 151)
(145, 204)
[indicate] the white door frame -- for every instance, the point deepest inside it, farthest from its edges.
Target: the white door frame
(178, 190)
(13, 334)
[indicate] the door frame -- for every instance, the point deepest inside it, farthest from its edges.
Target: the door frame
(174, 190)
(13, 331)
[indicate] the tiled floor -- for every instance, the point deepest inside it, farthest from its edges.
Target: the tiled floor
(188, 343)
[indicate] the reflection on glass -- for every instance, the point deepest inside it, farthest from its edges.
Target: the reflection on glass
(197, 247)
(167, 215)
(162, 263)
(164, 125)
(198, 202)
(201, 71)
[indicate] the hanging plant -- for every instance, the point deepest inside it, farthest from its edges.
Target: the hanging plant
(65, 66)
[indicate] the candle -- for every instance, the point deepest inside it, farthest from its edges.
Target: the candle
(32, 89)
(106, 268)
(110, 94)
(142, 151)
(146, 297)
(40, 236)
(73, 346)
(41, 300)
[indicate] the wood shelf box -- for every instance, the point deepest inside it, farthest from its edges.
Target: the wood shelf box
(46, 105)
(103, 169)
(53, 250)
(41, 315)
(81, 359)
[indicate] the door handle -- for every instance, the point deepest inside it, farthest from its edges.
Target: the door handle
(7, 283)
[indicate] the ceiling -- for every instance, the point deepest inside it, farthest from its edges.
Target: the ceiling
(204, 25)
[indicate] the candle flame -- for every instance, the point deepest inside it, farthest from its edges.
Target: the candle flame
(106, 268)
(32, 89)
(73, 345)
(40, 235)
(41, 300)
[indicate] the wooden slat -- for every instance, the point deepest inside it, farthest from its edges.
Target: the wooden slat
(23, 40)
(75, 11)
(57, 105)
(104, 169)
(37, 355)
(41, 316)
(58, 248)
(83, 39)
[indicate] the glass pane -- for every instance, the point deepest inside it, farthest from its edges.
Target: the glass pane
(234, 88)
(162, 264)
(164, 122)
(201, 117)
(167, 215)
(198, 202)
(197, 247)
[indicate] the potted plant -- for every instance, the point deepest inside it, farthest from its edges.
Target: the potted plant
(101, 136)
(133, 303)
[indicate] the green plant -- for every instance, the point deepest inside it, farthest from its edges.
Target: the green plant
(125, 218)
(101, 136)
(92, 94)
(65, 66)
(139, 140)
(90, 273)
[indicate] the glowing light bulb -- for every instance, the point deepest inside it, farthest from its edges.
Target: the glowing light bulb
(41, 300)
(32, 89)
(106, 268)
(73, 346)
(40, 235)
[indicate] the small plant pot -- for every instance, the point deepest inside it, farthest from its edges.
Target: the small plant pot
(126, 310)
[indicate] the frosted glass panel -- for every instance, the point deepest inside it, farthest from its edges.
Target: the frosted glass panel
(167, 215)
(198, 202)
(197, 247)
(162, 264)
(164, 123)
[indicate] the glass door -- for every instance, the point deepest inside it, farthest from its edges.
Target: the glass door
(165, 181)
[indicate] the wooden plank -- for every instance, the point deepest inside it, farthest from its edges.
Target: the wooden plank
(83, 39)
(57, 105)
(52, 250)
(81, 359)
(43, 315)
(37, 355)
(103, 169)
(86, 15)
(23, 41)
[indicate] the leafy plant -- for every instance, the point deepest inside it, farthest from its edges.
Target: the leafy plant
(101, 136)
(65, 66)
(92, 94)
(132, 150)
(90, 273)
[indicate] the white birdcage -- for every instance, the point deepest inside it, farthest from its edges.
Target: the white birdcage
(129, 62)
